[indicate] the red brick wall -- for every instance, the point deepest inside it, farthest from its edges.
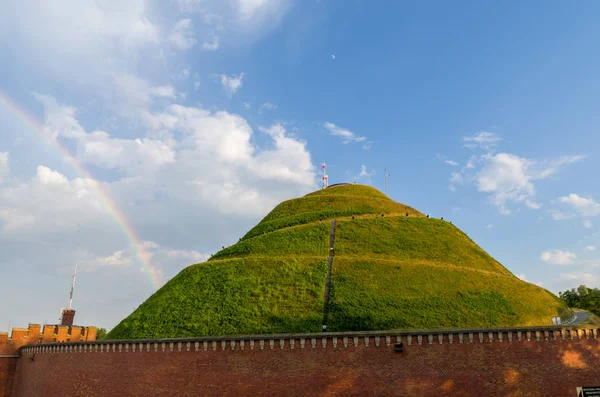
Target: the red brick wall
(553, 367)
(7, 371)
(8, 365)
(31, 335)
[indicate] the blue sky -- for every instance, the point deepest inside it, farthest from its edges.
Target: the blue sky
(197, 117)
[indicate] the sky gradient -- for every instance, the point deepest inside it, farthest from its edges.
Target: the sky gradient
(136, 140)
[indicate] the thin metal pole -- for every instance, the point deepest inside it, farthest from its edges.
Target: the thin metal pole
(72, 288)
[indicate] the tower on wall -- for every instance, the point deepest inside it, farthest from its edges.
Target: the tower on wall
(67, 315)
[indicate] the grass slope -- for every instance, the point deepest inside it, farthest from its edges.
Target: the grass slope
(236, 296)
(314, 207)
(379, 294)
(390, 272)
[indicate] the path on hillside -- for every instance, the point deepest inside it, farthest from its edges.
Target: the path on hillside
(579, 317)
(370, 257)
(340, 218)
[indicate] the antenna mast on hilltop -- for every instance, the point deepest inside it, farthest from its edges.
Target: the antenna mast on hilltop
(72, 288)
(68, 314)
(325, 176)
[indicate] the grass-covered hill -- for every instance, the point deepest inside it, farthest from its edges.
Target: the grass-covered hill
(394, 268)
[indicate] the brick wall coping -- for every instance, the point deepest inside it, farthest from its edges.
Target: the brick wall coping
(324, 339)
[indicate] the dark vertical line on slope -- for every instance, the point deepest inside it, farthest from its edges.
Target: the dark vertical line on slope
(329, 267)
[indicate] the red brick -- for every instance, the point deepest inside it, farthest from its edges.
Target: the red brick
(489, 368)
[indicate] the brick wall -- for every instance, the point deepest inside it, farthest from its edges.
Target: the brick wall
(10, 347)
(7, 364)
(500, 362)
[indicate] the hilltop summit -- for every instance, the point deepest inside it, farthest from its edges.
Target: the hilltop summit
(393, 268)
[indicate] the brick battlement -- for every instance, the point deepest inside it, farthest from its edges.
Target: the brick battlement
(528, 361)
(324, 340)
(11, 347)
(34, 334)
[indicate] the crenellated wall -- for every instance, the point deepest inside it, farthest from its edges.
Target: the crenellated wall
(33, 334)
(540, 361)
(51, 333)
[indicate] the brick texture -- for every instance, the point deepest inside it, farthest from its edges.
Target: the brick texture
(32, 335)
(7, 364)
(493, 364)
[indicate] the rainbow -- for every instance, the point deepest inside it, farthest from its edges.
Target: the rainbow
(111, 206)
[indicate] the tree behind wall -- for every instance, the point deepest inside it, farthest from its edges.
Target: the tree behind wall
(583, 298)
(101, 333)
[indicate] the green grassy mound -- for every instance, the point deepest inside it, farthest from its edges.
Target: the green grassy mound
(233, 296)
(390, 294)
(390, 272)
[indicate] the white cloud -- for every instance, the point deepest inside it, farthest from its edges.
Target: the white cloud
(160, 254)
(364, 172)
(134, 94)
(255, 9)
(560, 216)
(162, 258)
(59, 119)
(4, 168)
(247, 105)
(163, 181)
(554, 166)
(590, 248)
(522, 276)
(99, 148)
(248, 7)
(587, 224)
(96, 21)
(115, 259)
(48, 177)
(364, 175)
(489, 226)
(81, 42)
(125, 154)
(586, 206)
(456, 177)
(24, 205)
(215, 176)
(206, 140)
(165, 91)
(211, 45)
(185, 73)
(332, 56)
(485, 140)
(267, 106)
(452, 163)
(558, 257)
(243, 20)
(346, 135)
(287, 161)
(190, 256)
(182, 36)
(233, 83)
(587, 279)
(505, 176)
